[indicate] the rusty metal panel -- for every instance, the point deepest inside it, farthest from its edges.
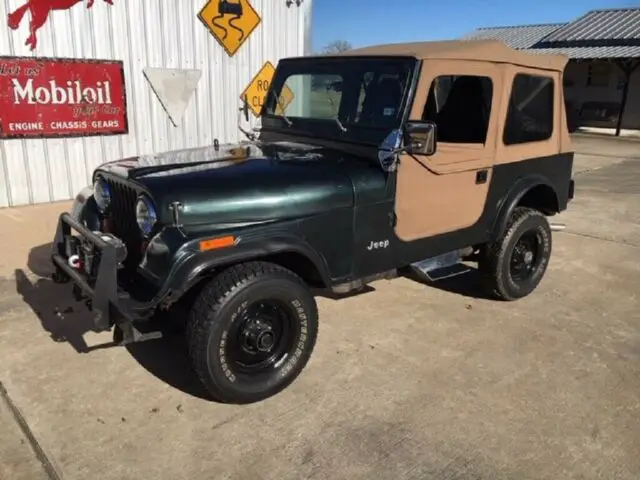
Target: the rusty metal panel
(141, 34)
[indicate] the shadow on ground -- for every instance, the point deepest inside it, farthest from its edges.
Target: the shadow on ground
(59, 314)
(329, 295)
(468, 285)
(167, 359)
(68, 320)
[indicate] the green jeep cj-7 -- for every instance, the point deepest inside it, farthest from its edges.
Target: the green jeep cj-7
(417, 157)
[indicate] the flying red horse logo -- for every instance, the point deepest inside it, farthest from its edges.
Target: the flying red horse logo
(39, 10)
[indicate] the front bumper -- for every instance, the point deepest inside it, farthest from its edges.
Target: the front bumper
(105, 298)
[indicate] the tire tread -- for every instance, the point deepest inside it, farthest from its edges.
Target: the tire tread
(205, 308)
(492, 275)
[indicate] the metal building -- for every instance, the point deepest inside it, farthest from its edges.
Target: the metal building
(99, 80)
(602, 78)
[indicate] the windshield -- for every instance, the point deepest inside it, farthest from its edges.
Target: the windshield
(345, 96)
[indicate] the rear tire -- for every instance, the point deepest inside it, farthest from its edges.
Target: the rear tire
(251, 332)
(513, 266)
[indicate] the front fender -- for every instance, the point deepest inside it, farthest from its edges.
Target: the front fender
(513, 198)
(193, 264)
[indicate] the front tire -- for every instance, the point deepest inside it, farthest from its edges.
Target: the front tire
(513, 266)
(251, 332)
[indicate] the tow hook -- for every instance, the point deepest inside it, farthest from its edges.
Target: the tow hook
(74, 262)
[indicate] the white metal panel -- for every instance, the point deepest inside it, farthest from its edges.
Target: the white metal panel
(141, 33)
(4, 184)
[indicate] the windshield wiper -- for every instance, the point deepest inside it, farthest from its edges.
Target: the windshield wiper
(284, 116)
(335, 110)
(342, 127)
(245, 109)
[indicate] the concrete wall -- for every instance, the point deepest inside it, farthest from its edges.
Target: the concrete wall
(141, 33)
(599, 105)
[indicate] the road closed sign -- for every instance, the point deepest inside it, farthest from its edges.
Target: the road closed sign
(257, 89)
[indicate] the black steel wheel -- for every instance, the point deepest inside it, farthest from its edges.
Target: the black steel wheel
(526, 256)
(251, 331)
(513, 266)
(262, 337)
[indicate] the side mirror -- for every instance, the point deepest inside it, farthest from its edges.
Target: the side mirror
(245, 107)
(420, 138)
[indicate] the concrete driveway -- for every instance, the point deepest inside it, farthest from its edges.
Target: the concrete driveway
(407, 381)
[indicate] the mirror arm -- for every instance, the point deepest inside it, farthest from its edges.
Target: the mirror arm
(409, 142)
(407, 148)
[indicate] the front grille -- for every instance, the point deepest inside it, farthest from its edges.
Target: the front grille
(122, 213)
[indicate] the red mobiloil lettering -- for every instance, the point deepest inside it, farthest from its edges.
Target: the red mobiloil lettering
(71, 93)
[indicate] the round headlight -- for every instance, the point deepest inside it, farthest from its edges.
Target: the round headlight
(146, 214)
(102, 194)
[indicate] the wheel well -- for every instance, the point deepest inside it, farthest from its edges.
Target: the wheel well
(298, 264)
(294, 261)
(542, 198)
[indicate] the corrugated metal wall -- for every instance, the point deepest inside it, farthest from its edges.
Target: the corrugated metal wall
(142, 33)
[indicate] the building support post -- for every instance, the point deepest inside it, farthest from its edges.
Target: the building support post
(627, 70)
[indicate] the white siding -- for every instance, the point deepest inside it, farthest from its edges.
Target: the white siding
(141, 33)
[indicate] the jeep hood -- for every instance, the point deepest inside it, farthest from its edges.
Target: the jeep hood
(243, 183)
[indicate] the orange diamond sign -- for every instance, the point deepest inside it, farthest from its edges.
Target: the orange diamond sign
(230, 21)
(257, 90)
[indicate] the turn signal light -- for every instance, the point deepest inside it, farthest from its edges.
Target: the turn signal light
(214, 243)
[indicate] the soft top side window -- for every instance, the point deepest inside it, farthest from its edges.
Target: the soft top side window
(530, 111)
(460, 105)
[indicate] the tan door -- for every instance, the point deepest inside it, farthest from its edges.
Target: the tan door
(447, 191)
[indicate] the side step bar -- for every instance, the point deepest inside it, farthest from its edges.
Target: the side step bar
(443, 266)
(450, 264)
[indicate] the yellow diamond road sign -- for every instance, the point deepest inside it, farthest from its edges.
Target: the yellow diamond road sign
(230, 21)
(257, 90)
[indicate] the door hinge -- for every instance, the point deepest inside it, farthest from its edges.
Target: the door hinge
(481, 176)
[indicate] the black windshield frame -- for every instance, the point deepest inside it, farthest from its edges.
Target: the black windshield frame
(329, 129)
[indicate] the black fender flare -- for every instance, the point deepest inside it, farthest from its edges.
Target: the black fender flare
(511, 200)
(199, 264)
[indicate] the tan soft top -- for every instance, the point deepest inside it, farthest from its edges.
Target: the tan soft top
(482, 50)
